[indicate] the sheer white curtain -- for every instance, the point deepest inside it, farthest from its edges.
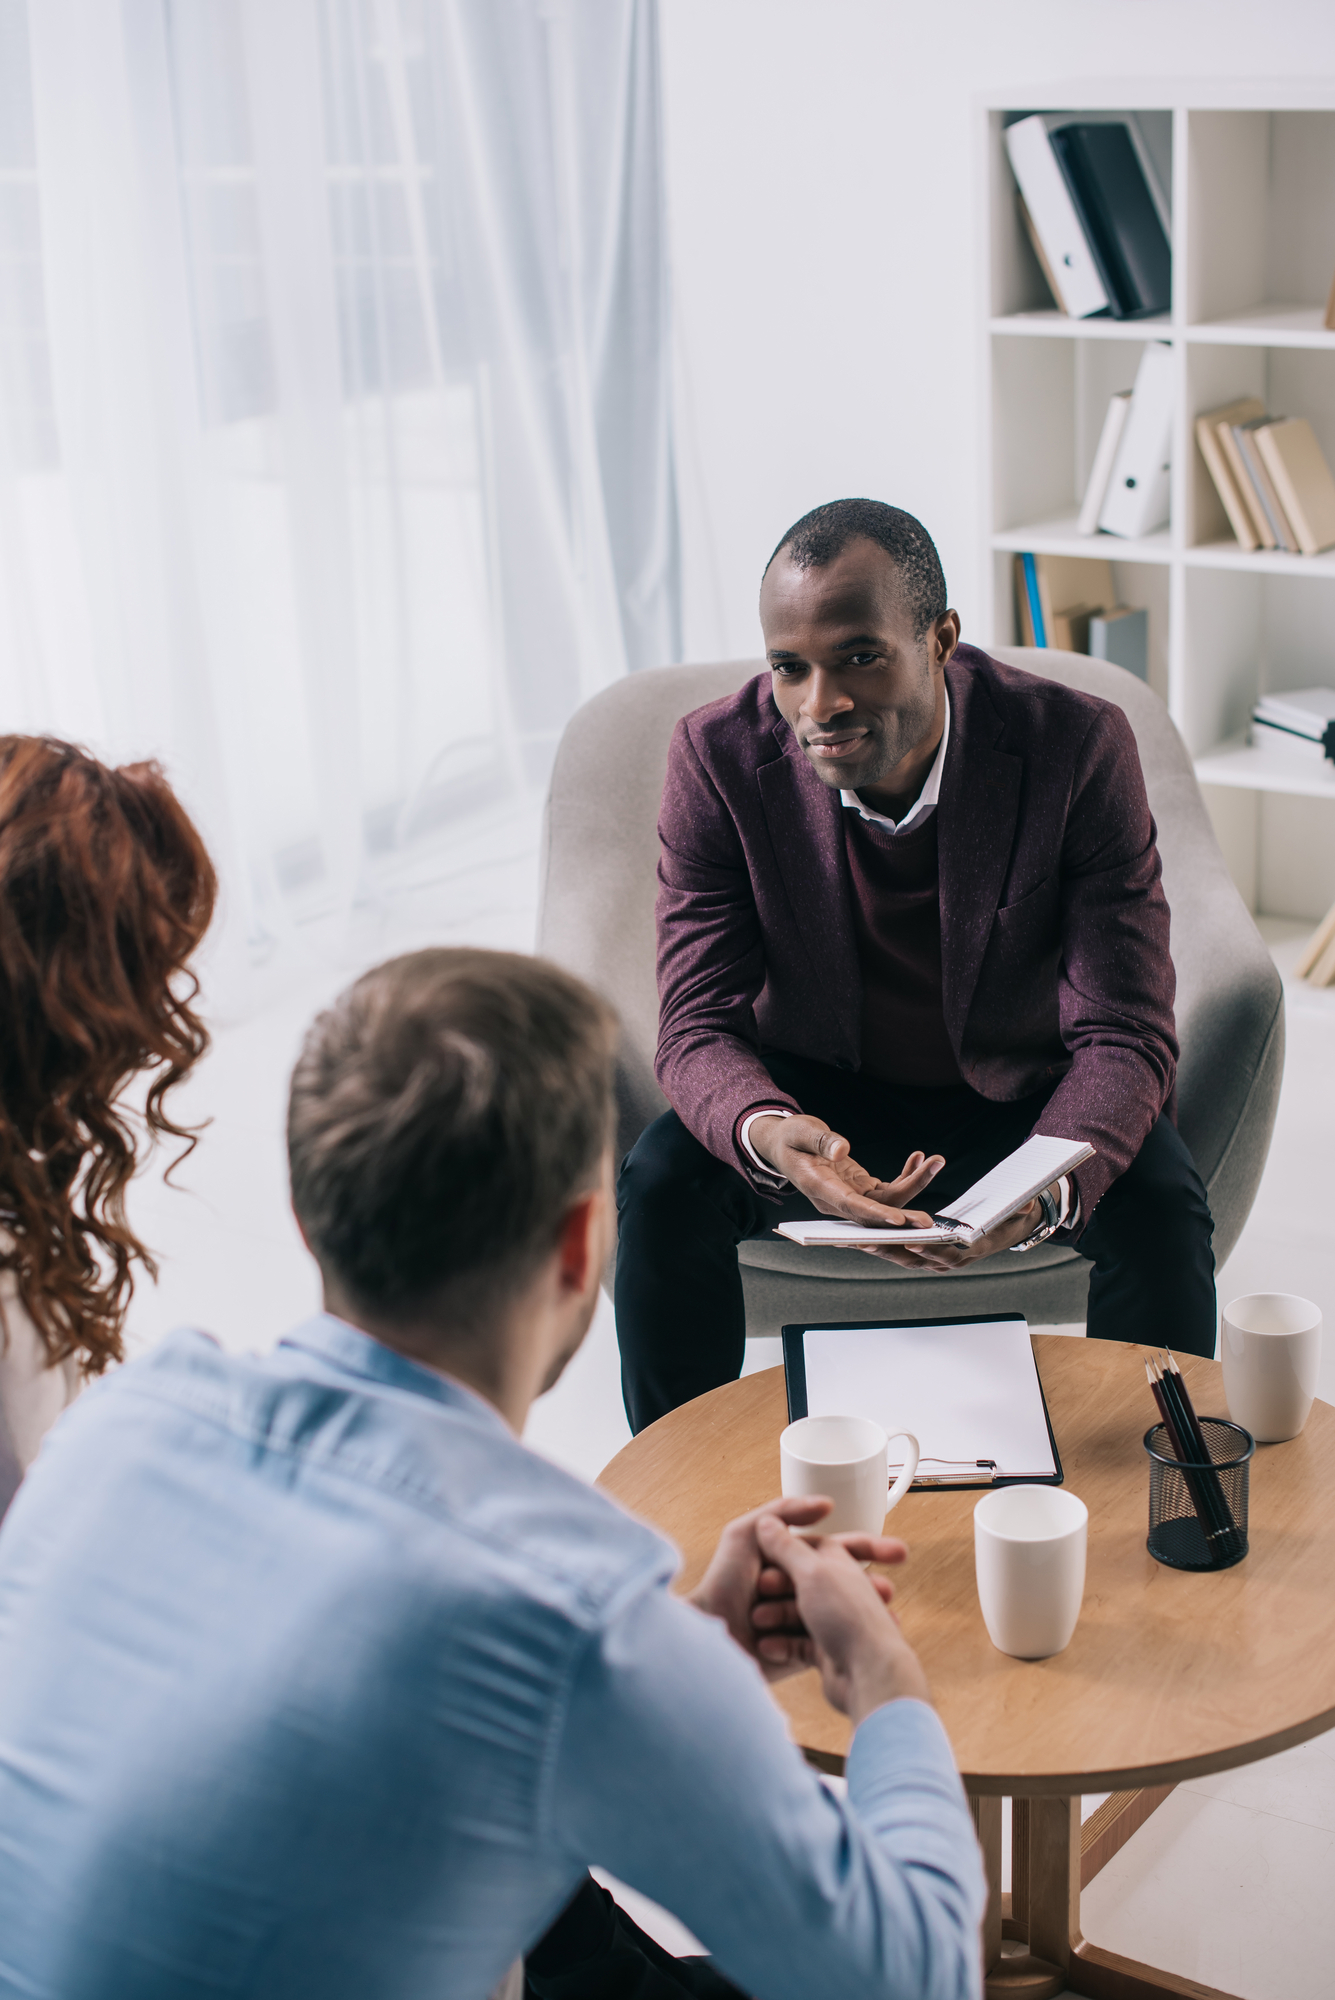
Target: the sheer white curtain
(335, 441)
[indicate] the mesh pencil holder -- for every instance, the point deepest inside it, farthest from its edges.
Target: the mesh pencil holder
(1198, 1513)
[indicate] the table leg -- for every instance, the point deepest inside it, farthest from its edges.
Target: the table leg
(987, 1820)
(1045, 1872)
(1010, 1972)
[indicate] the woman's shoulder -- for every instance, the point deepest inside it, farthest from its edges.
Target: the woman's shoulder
(33, 1392)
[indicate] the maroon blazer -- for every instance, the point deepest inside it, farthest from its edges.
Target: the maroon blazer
(1054, 927)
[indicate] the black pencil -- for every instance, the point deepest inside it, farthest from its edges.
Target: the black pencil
(1207, 1513)
(1174, 1441)
(1193, 1421)
(1203, 1482)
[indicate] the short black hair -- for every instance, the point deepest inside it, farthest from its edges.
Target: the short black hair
(826, 531)
(444, 1114)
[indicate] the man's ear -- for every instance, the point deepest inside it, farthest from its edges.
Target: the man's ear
(578, 1242)
(945, 638)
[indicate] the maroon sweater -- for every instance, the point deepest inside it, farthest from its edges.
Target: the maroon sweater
(897, 921)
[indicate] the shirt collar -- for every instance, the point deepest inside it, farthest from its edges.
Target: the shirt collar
(926, 798)
(361, 1354)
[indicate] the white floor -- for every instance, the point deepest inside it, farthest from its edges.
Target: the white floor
(1229, 1882)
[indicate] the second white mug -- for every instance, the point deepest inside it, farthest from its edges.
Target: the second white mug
(848, 1459)
(1270, 1343)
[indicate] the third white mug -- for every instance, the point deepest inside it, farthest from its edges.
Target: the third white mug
(1271, 1350)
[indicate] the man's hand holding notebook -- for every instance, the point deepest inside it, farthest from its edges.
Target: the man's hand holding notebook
(1000, 1194)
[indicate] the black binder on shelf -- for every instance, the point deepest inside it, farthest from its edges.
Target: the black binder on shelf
(1117, 213)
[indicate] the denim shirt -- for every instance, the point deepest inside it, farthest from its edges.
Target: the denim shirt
(315, 1681)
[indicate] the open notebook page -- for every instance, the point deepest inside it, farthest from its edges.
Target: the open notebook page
(966, 1391)
(1016, 1180)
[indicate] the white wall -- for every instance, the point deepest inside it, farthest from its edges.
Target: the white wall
(821, 185)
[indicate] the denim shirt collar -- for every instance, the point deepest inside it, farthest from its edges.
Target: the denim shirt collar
(348, 1348)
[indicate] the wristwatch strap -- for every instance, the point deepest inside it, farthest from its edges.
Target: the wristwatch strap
(1050, 1223)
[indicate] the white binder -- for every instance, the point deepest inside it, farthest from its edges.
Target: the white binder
(1053, 215)
(1136, 502)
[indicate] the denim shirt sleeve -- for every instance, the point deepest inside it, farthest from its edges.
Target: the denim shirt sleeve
(674, 1771)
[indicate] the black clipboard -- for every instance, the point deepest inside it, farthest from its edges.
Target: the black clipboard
(795, 1381)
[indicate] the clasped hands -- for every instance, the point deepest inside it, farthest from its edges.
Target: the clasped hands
(820, 1165)
(793, 1603)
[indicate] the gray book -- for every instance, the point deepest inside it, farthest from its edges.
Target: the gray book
(1122, 637)
(1270, 501)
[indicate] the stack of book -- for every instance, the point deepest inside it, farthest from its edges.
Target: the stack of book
(1071, 603)
(1301, 722)
(1271, 477)
(1094, 215)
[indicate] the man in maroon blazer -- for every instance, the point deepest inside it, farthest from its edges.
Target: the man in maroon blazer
(909, 913)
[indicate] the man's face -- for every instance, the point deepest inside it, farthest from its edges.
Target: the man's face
(858, 690)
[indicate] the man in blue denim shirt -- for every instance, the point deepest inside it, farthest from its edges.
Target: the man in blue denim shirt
(314, 1681)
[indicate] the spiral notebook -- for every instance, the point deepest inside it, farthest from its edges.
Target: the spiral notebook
(968, 1389)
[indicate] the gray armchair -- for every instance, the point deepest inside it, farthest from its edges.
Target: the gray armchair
(597, 917)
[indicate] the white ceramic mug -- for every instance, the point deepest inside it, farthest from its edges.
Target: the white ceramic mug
(1029, 1554)
(1271, 1344)
(847, 1458)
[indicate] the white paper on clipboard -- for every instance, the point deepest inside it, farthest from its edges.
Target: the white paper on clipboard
(967, 1391)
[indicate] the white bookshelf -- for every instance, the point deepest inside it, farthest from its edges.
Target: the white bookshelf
(1249, 172)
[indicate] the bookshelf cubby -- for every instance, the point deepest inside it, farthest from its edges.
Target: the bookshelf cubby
(1246, 173)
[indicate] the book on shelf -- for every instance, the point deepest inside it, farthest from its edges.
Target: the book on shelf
(1211, 448)
(1301, 479)
(1117, 212)
(1136, 502)
(1262, 484)
(1070, 603)
(1122, 637)
(1242, 479)
(1066, 258)
(1101, 471)
(1028, 606)
(1068, 584)
(1301, 722)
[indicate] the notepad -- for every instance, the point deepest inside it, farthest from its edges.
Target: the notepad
(967, 1389)
(990, 1201)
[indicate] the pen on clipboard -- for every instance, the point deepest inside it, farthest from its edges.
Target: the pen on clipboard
(964, 1472)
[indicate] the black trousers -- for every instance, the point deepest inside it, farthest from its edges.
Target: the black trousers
(681, 1322)
(594, 1952)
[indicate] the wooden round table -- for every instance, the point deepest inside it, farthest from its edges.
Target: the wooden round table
(1169, 1675)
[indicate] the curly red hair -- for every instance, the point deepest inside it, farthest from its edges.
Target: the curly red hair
(106, 888)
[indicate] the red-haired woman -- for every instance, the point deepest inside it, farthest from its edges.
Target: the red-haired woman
(105, 890)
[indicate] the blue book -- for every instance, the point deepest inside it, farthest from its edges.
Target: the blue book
(1035, 605)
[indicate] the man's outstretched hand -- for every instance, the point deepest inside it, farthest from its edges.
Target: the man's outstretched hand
(755, 1598)
(818, 1162)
